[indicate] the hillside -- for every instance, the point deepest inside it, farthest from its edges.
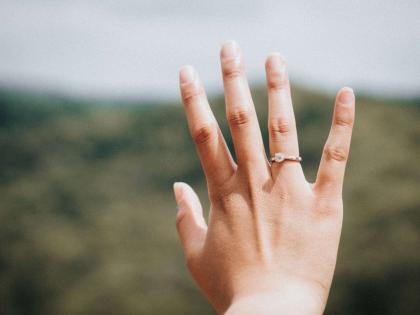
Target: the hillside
(87, 212)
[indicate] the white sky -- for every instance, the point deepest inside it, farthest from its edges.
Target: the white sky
(135, 48)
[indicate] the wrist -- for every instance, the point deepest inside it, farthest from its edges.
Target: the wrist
(296, 299)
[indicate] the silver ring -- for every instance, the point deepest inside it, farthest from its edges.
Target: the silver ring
(281, 157)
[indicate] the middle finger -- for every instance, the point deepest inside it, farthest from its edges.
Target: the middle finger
(240, 112)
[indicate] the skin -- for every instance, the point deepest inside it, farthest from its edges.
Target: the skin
(270, 245)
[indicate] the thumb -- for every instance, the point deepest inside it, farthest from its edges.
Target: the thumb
(190, 222)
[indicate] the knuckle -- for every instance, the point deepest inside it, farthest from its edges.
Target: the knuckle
(344, 117)
(279, 127)
(284, 195)
(190, 92)
(204, 134)
(231, 69)
(277, 80)
(344, 121)
(335, 152)
(239, 118)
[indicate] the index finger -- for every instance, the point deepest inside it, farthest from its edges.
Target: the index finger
(216, 160)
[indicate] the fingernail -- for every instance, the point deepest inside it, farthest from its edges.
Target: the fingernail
(178, 191)
(346, 96)
(230, 50)
(187, 74)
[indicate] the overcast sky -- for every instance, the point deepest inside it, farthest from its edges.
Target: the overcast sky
(135, 48)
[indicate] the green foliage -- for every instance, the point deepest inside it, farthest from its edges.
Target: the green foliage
(87, 212)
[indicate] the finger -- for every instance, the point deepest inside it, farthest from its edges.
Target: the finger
(281, 119)
(215, 157)
(190, 223)
(336, 150)
(240, 110)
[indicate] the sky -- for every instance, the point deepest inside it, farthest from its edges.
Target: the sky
(131, 48)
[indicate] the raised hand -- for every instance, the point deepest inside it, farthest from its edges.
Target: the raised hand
(271, 242)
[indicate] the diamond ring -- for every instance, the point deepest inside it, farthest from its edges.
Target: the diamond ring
(281, 157)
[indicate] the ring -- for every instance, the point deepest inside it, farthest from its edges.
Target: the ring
(281, 157)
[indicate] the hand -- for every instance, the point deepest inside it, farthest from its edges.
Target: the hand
(272, 238)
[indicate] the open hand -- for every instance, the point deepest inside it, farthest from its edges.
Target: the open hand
(271, 242)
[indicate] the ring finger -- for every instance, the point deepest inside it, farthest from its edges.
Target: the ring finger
(281, 119)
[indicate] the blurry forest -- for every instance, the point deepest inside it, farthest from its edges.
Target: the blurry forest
(87, 211)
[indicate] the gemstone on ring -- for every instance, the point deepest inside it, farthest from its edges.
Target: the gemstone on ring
(279, 157)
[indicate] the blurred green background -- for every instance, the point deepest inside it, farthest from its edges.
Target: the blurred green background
(87, 212)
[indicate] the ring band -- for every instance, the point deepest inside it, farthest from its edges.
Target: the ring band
(281, 157)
